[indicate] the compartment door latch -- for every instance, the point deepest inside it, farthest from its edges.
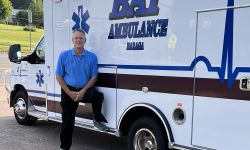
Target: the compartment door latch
(245, 83)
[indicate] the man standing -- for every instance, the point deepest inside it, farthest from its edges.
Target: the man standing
(76, 73)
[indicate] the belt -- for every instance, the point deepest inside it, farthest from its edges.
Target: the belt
(74, 88)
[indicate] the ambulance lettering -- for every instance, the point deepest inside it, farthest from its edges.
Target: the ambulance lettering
(138, 29)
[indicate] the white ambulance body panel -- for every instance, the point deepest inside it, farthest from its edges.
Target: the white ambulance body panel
(179, 61)
(220, 117)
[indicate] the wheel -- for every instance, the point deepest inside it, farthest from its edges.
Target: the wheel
(146, 134)
(21, 109)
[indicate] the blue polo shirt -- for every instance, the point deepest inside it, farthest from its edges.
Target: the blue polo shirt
(76, 70)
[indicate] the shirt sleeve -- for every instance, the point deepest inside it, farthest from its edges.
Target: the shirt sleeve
(60, 66)
(94, 68)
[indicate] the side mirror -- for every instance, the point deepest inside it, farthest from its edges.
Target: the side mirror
(15, 53)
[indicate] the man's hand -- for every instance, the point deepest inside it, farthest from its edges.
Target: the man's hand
(80, 95)
(73, 95)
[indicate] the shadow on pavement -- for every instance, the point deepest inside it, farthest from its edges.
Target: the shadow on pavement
(44, 135)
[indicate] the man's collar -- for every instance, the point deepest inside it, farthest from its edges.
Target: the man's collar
(74, 53)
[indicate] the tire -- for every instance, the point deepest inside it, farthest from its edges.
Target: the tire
(146, 134)
(21, 109)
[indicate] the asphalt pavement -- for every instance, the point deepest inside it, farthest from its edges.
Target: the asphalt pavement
(5, 64)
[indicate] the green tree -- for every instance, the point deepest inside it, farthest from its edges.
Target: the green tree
(5, 9)
(36, 6)
(22, 18)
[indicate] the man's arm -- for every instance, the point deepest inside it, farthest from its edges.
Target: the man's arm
(81, 93)
(63, 85)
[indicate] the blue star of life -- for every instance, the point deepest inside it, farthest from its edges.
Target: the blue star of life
(80, 19)
(39, 79)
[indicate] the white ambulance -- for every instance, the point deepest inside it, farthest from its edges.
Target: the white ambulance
(174, 73)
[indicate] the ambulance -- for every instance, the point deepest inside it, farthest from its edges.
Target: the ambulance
(175, 74)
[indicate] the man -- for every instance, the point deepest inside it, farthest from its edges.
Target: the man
(76, 73)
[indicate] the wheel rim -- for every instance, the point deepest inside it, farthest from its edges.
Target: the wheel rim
(20, 108)
(144, 140)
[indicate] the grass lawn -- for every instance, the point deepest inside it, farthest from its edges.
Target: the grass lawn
(11, 34)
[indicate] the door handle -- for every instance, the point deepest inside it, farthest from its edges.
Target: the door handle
(48, 70)
(245, 83)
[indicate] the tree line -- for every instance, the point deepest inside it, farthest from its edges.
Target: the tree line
(20, 4)
(35, 6)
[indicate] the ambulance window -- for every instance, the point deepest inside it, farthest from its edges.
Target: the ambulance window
(40, 51)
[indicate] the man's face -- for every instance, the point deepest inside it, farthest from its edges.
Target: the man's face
(78, 40)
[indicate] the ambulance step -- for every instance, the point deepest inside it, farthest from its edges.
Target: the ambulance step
(38, 114)
(91, 127)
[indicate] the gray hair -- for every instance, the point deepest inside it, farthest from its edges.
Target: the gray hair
(79, 30)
